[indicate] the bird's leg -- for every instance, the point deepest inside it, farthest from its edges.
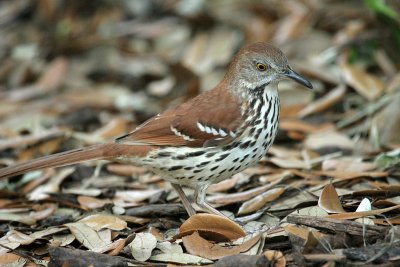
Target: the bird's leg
(200, 198)
(185, 201)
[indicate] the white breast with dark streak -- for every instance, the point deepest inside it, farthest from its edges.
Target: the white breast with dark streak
(194, 166)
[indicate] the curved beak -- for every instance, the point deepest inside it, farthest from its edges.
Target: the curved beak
(297, 78)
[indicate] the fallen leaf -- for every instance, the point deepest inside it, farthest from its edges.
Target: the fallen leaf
(100, 221)
(320, 140)
(275, 258)
(15, 217)
(225, 185)
(117, 247)
(180, 258)
(125, 169)
(87, 236)
(115, 127)
(387, 221)
(199, 246)
(168, 247)
(340, 176)
(245, 195)
(142, 246)
(347, 165)
(12, 260)
(54, 75)
(291, 124)
(365, 205)
(14, 239)
(62, 240)
(365, 84)
(259, 201)
(289, 163)
(52, 186)
(136, 195)
(44, 211)
(354, 215)
(329, 200)
(216, 227)
(87, 202)
(321, 104)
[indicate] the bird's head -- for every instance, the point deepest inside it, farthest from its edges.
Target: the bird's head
(257, 65)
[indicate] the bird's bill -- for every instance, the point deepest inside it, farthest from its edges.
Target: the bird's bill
(298, 78)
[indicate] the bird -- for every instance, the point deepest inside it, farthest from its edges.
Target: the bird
(205, 140)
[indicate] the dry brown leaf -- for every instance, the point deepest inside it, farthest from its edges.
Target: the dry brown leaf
(44, 148)
(325, 102)
(391, 221)
(347, 165)
(92, 202)
(259, 201)
(225, 185)
(25, 140)
(293, 24)
(180, 258)
(329, 200)
(113, 128)
(301, 232)
(387, 122)
(125, 169)
(289, 163)
(216, 228)
(43, 211)
(199, 246)
(355, 215)
(52, 186)
(100, 221)
(339, 175)
(9, 259)
(323, 139)
(118, 246)
(44, 176)
(5, 202)
(245, 195)
(62, 240)
(54, 75)
(365, 84)
(133, 219)
(275, 257)
(311, 237)
(291, 124)
(283, 152)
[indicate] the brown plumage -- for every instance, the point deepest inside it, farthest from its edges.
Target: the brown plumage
(205, 140)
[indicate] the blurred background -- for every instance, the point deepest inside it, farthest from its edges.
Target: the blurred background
(74, 73)
(92, 70)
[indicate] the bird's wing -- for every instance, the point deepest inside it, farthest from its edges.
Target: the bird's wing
(211, 119)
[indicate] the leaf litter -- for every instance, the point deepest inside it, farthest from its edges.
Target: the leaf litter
(326, 192)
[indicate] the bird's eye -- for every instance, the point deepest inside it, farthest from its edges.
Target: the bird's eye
(261, 67)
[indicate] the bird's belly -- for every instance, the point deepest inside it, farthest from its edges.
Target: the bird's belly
(207, 165)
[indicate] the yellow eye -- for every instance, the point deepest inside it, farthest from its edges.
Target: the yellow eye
(261, 67)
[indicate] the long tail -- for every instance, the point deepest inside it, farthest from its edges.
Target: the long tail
(103, 151)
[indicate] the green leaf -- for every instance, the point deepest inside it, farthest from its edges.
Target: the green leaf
(380, 7)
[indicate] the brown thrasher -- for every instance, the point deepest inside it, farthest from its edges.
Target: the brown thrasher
(205, 140)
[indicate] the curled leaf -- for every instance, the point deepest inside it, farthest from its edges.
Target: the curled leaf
(329, 200)
(199, 246)
(215, 227)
